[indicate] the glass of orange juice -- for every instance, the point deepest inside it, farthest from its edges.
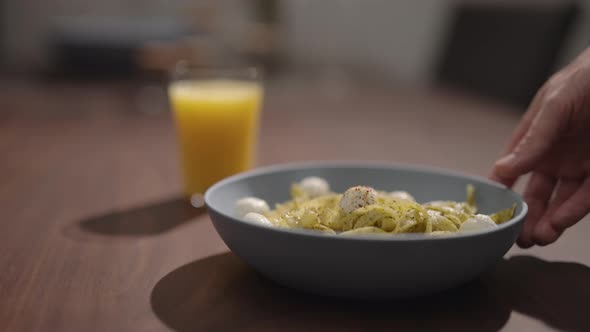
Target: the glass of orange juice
(216, 111)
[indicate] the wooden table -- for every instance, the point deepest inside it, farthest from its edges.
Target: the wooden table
(95, 237)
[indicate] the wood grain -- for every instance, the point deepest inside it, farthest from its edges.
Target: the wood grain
(94, 236)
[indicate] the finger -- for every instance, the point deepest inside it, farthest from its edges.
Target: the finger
(507, 182)
(544, 232)
(526, 121)
(537, 195)
(542, 134)
(518, 134)
(574, 209)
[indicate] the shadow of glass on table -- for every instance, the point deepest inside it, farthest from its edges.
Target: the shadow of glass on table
(146, 220)
(221, 293)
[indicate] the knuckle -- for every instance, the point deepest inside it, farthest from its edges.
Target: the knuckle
(556, 80)
(554, 100)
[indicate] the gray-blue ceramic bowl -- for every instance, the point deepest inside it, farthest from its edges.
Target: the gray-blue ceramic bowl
(363, 266)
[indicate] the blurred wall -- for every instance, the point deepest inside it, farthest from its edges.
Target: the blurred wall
(396, 37)
(399, 38)
(25, 24)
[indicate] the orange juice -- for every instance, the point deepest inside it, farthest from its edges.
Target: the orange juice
(217, 125)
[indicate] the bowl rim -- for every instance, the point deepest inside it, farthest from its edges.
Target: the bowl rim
(281, 167)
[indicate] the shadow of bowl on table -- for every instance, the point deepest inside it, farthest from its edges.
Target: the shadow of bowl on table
(220, 293)
(146, 220)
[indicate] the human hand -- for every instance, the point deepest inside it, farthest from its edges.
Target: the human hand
(552, 142)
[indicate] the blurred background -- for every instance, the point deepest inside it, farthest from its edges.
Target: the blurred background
(448, 76)
(497, 49)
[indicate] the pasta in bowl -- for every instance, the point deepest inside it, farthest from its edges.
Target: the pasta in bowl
(364, 210)
(256, 216)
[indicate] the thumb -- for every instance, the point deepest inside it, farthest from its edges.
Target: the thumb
(544, 131)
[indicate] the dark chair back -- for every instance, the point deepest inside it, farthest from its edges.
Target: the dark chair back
(505, 51)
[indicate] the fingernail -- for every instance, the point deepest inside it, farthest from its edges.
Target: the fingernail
(506, 161)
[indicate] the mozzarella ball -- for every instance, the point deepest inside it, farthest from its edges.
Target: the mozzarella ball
(257, 218)
(315, 186)
(402, 195)
(357, 197)
(478, 222)
(250, 204)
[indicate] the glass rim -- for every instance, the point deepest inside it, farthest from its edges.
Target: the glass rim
(185, 68)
